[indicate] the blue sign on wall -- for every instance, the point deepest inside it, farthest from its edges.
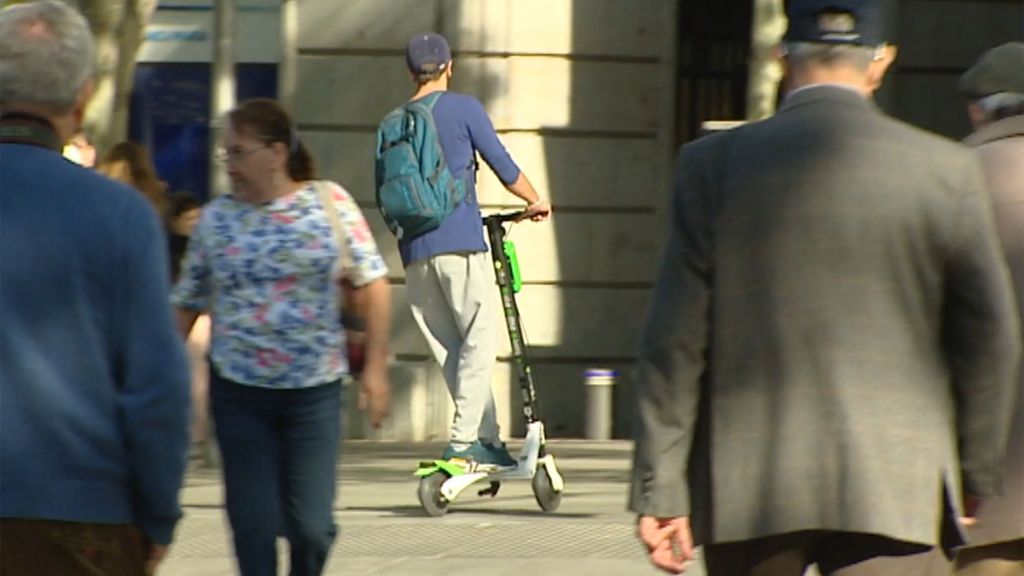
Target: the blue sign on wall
(170, 116)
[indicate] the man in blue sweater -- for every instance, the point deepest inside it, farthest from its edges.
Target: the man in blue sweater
(449, 279)
(93, 378)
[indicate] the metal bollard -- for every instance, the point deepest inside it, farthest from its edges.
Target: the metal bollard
(599, 403)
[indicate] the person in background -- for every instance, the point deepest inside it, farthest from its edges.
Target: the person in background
(80, 150)
(93, 378)
(994, 89)
(449, 275)
(185, 211)
(264, 262)
(130, 163)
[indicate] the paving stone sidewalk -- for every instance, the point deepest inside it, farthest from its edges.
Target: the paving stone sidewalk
(384, 531)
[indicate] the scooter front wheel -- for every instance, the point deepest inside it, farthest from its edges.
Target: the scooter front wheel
(544, 490)
(429, 494)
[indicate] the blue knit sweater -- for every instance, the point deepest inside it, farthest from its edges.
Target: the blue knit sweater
(94, 384)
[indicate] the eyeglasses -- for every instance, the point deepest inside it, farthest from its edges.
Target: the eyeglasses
(236, 155)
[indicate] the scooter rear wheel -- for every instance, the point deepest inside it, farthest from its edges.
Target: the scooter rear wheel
(429, 494)
(544, 491)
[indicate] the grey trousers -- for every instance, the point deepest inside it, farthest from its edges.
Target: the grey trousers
(452, 297)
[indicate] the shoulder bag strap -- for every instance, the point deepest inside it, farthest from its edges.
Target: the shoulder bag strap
(327, 204)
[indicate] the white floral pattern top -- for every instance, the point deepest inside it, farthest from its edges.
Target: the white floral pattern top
(266, 272)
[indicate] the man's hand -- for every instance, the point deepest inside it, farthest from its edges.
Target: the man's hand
(375, 394)
(668, 541)
(538, 211)
(374, 383)
(154, 554)
(971, 505)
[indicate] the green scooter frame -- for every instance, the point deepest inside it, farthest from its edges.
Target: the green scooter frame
(442, 481)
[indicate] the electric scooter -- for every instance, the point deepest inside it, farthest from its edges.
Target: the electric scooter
(442, 481)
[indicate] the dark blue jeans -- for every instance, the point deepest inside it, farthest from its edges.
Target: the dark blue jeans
(279, 450)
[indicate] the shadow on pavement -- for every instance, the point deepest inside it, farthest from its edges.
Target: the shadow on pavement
(417, 512)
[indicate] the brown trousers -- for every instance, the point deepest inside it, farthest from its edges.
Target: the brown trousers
(1002, 559)
(834, 554)
(55, 548)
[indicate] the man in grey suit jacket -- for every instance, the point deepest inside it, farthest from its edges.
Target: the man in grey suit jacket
(994, 88)
(828, 361)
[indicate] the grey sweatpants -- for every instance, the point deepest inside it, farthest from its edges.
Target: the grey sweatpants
(452, 297)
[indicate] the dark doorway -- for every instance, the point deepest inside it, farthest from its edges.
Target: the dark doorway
(939, 40)
(714, 44)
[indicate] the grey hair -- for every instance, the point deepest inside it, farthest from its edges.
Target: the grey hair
(802, 53)
(1001, 105)
(47, 54)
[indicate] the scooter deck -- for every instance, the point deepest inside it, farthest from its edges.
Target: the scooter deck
(458, 467)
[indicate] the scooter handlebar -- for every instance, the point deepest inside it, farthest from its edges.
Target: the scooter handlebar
(502, 217)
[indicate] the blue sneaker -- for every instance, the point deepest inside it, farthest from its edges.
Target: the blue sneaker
(481, 453)
(499, 454)
(473, 452)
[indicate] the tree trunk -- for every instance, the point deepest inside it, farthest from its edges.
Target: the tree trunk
(119, 27)
(765, 72)
(223, 89)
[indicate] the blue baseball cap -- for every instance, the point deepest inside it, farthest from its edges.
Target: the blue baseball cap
(858, 22)
(427, 52)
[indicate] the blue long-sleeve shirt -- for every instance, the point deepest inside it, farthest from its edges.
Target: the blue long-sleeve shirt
(94, 382)
(463, 128)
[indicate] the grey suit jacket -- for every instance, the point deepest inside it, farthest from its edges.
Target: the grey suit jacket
(830, 342)
(1000, 146)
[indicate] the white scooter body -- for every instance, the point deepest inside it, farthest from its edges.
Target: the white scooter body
(526, 467)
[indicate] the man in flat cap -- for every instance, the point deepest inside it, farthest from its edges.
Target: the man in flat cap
(829, 357)
(994, 88)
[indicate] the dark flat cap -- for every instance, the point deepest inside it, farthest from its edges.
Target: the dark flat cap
(857, 22)
(1001, 69)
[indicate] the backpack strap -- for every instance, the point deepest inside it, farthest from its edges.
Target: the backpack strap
(427, 101)
(425, 106)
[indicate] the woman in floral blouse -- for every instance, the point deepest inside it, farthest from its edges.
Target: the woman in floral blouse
(262, 262)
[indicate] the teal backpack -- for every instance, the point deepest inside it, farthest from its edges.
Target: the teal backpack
(415, 189)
